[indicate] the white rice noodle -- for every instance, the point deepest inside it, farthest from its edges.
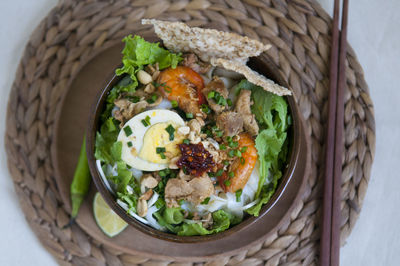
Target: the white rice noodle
(138, 217)
(126, 208)
(103, 176)
(221, 72)
(153, 199)
(112, 169)
(123, 204)
(251, 204)
(136, 173)
(153, 222)
(208, 75)
(148, 219)
(129, 189)
(228, 82)
(165, 104)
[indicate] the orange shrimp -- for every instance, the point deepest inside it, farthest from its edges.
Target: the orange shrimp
(183, 85)
(241, 168)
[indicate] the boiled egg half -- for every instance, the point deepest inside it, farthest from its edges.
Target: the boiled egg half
(150, 139)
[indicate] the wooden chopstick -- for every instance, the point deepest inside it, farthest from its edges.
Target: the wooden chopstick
(325, 241)
(337, 174)
(331, 216)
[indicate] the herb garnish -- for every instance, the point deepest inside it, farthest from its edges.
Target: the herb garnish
(170, 129)
(146, 121)
(128, 131)
(238, 195)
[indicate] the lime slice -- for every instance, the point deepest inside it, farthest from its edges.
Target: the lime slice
(108, 221)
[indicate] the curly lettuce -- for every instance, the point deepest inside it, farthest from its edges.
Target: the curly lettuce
(271, 112)
(172, 219)
(138, 53)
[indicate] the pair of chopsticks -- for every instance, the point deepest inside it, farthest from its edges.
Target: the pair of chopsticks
(331, 216)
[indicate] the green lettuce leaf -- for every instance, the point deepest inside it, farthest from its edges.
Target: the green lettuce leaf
(271, 112)
(173, 215)
(222, 221)
(171, 219)
(138, 52)
(113, 95)
(107, 149)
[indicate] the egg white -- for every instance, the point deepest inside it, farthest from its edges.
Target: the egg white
(137, 136)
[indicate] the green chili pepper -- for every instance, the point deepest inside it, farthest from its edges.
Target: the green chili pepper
(81, 183)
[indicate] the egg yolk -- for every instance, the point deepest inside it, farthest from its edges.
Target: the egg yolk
(158, 137)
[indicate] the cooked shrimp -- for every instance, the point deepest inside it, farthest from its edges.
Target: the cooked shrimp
(183, 85)
(241, 167)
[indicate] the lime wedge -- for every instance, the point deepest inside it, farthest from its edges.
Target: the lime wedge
(108, 221)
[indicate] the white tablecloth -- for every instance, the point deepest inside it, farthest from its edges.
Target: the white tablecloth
(373, 33)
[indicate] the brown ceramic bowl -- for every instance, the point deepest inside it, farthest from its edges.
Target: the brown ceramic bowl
(296, 136)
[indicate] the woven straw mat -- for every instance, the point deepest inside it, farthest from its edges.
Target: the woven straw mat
(74, 31)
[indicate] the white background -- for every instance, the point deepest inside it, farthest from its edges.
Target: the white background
(373, 33)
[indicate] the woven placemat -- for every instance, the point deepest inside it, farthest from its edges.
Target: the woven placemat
(75, 31)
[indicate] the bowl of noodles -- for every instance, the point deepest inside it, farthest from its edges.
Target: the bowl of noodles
(192, 139)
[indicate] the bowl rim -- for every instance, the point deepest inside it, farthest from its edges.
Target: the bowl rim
(93, 125)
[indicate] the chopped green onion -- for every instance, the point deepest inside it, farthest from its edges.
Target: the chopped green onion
(225, 162)
(174, 103)
(211, 94)
(162, 173)
(205, 109)
(219, 133)
(167, 89)
(135, 99)
(153, 98)
(243, 149)
(189, 115)
(181, 202)
(227, 182)
(231, 174)
(231, 153)
(228, 138)
(160, 150)
(205, 201)
(238, 195)
(233, 144)
(222, 147)
(238, 153)
(219, 172)
(170, 129)
(229, 101)
(162, 155)
(156, 84)
(146, 121)
(186, 141)
(130, 144)
(128, 131)
(242, 160)
(221, 101)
